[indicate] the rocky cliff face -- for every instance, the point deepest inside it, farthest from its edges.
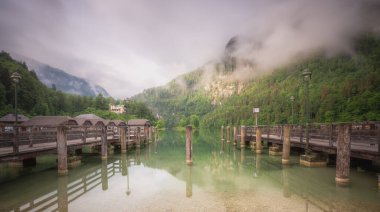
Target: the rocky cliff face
(62, 81)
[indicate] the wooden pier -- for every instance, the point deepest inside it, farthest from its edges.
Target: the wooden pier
(342, 140)
(66, 136)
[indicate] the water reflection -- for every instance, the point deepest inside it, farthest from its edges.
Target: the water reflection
(62, 193)
(189, 183)
(104, 173)
(217, 181)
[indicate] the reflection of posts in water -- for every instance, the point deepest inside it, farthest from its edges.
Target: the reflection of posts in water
(189, 145)
(62, 196)
(235, 136)
(285, 181)
(234, 153)
(150, 150)
(189, 183)
(221, 146)
(138, 156)
(124, 168)
(242, 155)
(156, 134)
(258, 160)
(104, 175)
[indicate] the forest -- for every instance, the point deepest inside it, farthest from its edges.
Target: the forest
(343, 88)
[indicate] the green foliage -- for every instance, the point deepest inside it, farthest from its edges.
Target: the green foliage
(160, 124)
(194, 121)
(342, 88)
(183, 121)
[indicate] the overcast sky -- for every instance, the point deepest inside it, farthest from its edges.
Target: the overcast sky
(126, 46)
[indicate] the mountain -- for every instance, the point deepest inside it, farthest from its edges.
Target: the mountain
(60, 80)
(343, 88)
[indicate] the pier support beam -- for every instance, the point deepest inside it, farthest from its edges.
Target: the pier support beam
(228, 134)
(235, 136)
(104, 143)
(62, 194)
(104, 175)
(150, 135)
(258, 141)
(342, 176)
(123, 140)
(62, 150)
(222, 133)
(243, 132)
(155, 134)
(138, 137)
(286, 145)
(189, 146)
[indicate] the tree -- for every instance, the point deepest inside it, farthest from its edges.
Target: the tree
(183, 121)
(194, 121)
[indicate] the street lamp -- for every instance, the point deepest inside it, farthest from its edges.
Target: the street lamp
(292, 101)
(307, 77)
(16, 79)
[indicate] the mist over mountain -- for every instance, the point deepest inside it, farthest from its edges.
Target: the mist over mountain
(60, 80)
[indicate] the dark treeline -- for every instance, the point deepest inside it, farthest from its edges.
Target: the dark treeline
(34, 98)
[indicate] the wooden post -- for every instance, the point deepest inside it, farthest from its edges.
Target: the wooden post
(258, 141)
(342, 176)
(189, 146)
(123, 140)
(268, 134)
(62, 150)
(150, 134)
(30, 137)
(235, 137)
(286, 145)
(222, 133)
(138, 137)
(15, 140)
(228, 134)
(301, 134)
(331, 135)
(104, 143)
(243, 131)
(145, 134)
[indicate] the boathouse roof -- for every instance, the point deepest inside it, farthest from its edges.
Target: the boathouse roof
(50, 121)
(11, 118)
(88, 116)
(138, 122)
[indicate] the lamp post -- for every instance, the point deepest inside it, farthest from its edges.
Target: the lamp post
(307, 77)
(292, 101)
(16, 79)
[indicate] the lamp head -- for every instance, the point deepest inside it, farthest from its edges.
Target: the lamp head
(15, 77)
(306, 74)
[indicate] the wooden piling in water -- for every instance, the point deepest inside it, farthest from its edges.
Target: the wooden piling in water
(258, 141)
(104, 150)
(138, 137)
(123, 140)
(156, 134)
(62, 194)
(222, 133)
(150, 134)
(228, 135)
(342, 176)
(235, 136)
(286, 145)
(189, 146)
(62, 150)
(243, 131)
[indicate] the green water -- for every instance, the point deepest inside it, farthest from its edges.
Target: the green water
(156, 178)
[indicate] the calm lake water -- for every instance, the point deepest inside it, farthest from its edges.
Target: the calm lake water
(156, 178)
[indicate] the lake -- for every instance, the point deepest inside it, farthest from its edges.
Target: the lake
(156, 178)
